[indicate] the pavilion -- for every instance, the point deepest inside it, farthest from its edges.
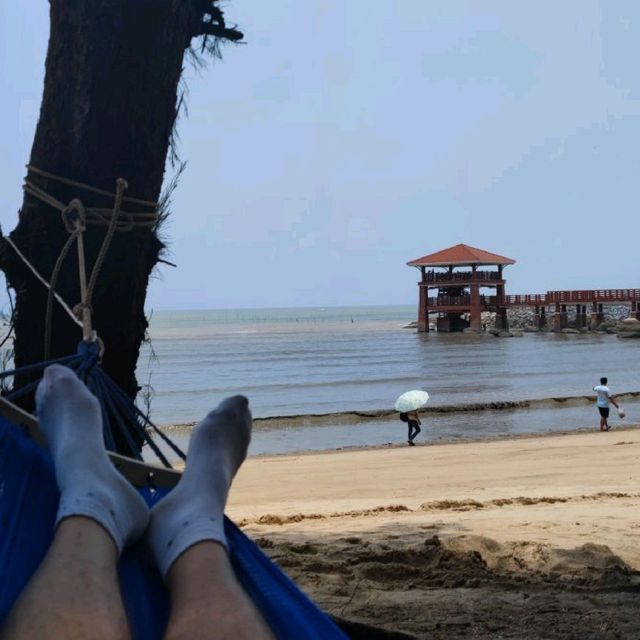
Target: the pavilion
(456, 276)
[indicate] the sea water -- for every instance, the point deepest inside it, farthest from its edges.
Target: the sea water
(296, 362)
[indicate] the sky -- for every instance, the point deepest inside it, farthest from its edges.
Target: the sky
(347, 138)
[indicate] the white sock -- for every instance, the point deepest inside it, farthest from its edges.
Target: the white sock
(89, 484)
(194, 510)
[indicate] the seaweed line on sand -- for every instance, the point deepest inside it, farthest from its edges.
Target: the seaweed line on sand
(436, 505)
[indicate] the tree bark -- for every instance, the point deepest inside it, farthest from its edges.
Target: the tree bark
(108, 109)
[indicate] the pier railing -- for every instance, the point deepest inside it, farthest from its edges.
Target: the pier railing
(580, 296)
(460, 301)
(594, 295)
(462, 276)
(526, 300)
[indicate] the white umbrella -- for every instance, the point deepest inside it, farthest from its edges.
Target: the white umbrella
(411, 400)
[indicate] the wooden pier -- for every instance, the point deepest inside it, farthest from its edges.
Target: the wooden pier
(560, 301)
(458, 275)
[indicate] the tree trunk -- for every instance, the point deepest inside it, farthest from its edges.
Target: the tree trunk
(108, 110)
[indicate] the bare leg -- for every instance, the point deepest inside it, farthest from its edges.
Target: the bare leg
(75, 592)
(206, 600)
(188, 540)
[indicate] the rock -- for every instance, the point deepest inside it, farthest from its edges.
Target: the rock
(517, 334)
(531, 328)
(505, 334)
(629, 328)
(470, 330)
(522, 317)
(570, 330)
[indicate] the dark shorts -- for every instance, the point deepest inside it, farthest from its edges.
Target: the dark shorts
(604, 411)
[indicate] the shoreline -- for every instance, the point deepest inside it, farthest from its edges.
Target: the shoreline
(631, 427)
(356, 417)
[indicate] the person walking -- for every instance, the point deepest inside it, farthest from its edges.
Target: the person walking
(413, 422)
(604, 397)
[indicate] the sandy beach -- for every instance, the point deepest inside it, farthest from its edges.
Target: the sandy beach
(523, 538)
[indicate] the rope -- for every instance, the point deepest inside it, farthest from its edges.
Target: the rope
(95, 215)
(64, 305)
(50, 296)
(87, 187)
(121, 186)
(75, 227)
(116, 220)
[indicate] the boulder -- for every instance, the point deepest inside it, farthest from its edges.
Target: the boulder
(570, 330)
(531, 328)
(629, 328)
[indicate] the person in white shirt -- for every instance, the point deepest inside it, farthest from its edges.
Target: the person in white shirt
(604, 397)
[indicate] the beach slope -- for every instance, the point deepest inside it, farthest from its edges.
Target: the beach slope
(524, 538)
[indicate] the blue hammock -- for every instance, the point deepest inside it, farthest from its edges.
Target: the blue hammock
(29, 502)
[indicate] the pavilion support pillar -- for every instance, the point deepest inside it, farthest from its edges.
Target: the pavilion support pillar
(423, 309)
(581, 316)
(635, 310)
(597, 315)
(475, 310)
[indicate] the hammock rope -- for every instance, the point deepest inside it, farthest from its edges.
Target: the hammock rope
(76, 216)
(122, 419)
(33, 270)
(123, 422)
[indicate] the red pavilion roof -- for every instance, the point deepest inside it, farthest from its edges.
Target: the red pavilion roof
(460, 254)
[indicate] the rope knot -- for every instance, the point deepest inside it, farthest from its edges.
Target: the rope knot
(80, 307)
(74, 216)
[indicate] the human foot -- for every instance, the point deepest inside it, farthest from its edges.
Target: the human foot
(89, 485)
(194, 510)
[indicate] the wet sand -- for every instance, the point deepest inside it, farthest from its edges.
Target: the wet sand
(524, 538)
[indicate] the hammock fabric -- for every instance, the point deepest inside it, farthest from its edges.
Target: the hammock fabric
(28, 506)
